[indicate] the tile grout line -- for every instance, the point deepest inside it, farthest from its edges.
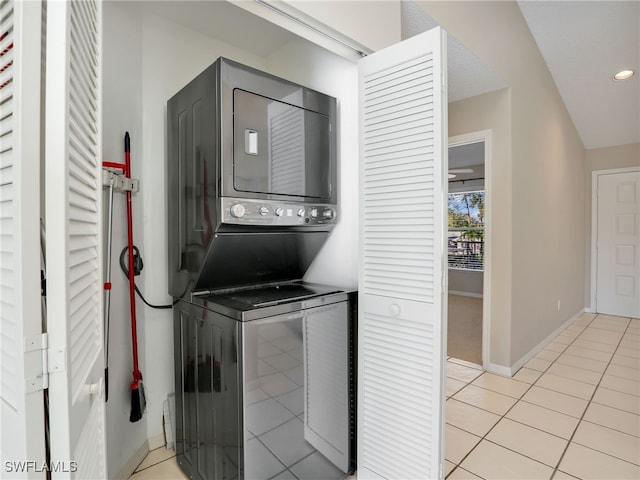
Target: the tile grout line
(286, 469)
(491, 429)
(583, 329)
(456, 465)
(153, 464)
(512, 406)
(534, 384)
(263, 443)
(589, 404)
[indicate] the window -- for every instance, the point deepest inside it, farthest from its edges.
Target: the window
(466, 230)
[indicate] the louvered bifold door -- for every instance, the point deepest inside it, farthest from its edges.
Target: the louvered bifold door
(73, 216)
(402, 257)
(21, 394)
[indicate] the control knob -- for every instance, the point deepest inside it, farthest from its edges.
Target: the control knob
(314, 212)
(329, 214)
(279, 211)
(301, 212)
(237, 210)
(263, 211)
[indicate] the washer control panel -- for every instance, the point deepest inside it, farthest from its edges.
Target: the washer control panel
(240, 211)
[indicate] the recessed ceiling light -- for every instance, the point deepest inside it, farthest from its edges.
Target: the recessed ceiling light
(624, 75)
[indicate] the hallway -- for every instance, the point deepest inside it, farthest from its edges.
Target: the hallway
(573, 411)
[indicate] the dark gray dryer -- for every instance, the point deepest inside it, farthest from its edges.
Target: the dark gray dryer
(264, 361)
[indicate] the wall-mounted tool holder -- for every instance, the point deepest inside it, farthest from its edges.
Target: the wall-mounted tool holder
(119, 181)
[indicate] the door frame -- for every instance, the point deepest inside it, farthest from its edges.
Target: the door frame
(466, 139)
(595, 175)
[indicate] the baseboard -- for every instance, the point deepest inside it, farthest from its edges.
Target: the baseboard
(498, 369)
(465, 294)
(133, 462)
(152, 443)
(156, 441)
(589, 310)
(535, 350)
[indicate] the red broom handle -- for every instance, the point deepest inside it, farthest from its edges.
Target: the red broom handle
(132, 292)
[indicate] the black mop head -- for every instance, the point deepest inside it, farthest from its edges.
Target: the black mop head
(138, 401)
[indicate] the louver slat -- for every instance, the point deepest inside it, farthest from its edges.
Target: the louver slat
(404, 189)
(74, 227)
(21, 397)
(83, 190)
(401, 261)
(9, 328)
(406, 361)
(89, 454)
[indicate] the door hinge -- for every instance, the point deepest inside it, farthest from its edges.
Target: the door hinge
(40, 360)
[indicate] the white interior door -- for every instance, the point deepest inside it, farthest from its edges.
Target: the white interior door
(618, 244)
(73, 216)
(402, 281)
(21, 395)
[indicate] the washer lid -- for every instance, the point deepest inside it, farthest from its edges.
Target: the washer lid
(262, 301)
(276, 294)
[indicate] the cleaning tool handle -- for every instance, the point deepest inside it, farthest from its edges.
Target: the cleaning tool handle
(120, 166)
(107, 294)
(132, 293)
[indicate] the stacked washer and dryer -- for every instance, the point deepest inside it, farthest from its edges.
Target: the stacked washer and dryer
(264, 362)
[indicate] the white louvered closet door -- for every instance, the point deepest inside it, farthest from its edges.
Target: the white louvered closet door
(73, 216)
(402, 259)
(21, 402)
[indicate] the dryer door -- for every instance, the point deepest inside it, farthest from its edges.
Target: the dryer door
(280, 148)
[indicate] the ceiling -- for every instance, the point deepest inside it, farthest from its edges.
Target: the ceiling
(467, 76)
(224, 21)
(467, 155)
(584, 44)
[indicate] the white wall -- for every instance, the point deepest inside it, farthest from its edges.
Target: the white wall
(143, 69)
(122, 85)
(165, 70)
(466, 282)
(171, 56)
(337, 262)
(492, 111)
(547, 244)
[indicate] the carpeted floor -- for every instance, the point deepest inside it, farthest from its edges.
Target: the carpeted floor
(464, 329)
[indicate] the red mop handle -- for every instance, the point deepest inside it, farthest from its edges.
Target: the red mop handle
(132, 292)
(121, 166)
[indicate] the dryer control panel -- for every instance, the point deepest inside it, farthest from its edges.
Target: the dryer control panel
(240, 211)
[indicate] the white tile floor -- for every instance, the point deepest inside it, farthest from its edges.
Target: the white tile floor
(571, 412)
